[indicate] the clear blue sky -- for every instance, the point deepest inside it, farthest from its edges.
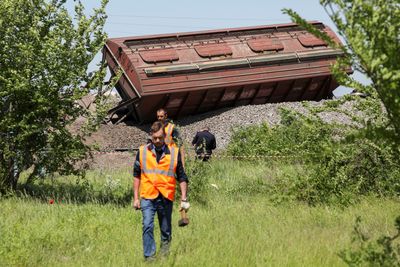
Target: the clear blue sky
(130, 18)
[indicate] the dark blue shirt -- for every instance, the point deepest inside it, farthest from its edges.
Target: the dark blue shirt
(204, 140)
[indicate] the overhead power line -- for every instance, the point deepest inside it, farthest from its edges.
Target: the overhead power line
(157, 25)
(198, 18)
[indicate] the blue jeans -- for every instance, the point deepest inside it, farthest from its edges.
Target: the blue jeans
(149, 207)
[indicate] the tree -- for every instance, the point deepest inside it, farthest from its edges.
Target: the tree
(371, 29)
(44, 58)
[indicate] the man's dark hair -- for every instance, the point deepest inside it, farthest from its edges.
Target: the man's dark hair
(156, 126)
(161, 109)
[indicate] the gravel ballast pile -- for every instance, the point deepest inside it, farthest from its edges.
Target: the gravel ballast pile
(221, 122)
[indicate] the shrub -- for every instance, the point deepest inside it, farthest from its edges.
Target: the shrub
(297, 135)
(385, 251)
(341, 162)
(348, 171)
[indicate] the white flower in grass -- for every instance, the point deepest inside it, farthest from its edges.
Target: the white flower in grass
(215, 186)
(111, 183)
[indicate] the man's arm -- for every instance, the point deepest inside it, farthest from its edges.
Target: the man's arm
(136, 182)
(180, 170)
(136, 200)
(183, 185)
(176, 136)
(182, 177)
(194, 141)
(214, 143)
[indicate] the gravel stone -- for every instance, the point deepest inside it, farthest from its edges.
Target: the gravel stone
(222, 123)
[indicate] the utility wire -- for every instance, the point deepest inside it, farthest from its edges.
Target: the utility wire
(177, 27)
(156, 25)
(196, 18)
(112, 32)
(191, 28)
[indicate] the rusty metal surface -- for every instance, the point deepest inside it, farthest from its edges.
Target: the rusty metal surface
(189, 73)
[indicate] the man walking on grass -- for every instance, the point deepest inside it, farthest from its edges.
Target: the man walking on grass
(157, 168)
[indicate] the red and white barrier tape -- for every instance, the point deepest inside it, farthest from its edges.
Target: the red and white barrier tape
(133, 151)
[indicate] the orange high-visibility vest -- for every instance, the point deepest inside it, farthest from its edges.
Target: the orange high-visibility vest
(158, 177)
(168, 129)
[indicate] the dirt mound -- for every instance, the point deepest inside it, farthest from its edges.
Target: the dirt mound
(113, 137)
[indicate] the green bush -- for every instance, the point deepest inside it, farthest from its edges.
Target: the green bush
(341, 162)
(385, 251)
(297, 135)
(351, 170)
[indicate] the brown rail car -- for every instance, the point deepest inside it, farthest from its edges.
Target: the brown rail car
(194, 72)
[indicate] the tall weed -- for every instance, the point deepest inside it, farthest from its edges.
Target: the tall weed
(198, 174)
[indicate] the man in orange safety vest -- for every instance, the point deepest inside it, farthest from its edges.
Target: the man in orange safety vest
(156, 169)
(171, 131)
(172, 135)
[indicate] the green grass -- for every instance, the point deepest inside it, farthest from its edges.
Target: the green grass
(230, 227)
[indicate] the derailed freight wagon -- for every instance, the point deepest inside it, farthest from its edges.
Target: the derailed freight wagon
(194, 72)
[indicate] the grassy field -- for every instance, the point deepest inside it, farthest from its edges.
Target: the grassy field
(93, 224)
